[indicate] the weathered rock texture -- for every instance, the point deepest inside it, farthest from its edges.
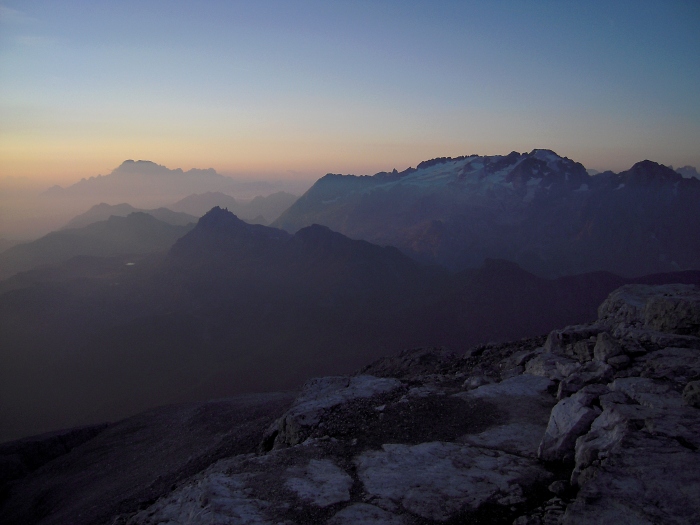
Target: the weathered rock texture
(593, 424)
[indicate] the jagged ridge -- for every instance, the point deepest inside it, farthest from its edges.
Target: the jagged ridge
(543, 211)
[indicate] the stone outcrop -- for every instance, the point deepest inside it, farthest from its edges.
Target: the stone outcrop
(437, 480)
(672, 309)
(595, 423)
(317, 398)
(570, 418)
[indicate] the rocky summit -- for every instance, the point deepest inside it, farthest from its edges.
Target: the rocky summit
(595, 423)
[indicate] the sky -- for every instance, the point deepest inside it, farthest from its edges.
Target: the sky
(302, 88)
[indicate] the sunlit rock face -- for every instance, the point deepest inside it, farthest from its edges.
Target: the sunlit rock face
(543, 211)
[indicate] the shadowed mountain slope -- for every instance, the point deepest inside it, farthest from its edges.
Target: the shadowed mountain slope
(89, 483)
(236, 307)
(138, 233)
(103, 211)
(540, 210)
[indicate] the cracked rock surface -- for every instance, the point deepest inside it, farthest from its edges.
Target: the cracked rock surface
(593, 423)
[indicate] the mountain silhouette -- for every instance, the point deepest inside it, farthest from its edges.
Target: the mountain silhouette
(103, 211)
(147, 185)
(234, 307)
(543, 211)
(137, 233)
(260, 210)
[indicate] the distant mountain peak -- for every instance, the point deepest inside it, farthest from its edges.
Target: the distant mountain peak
(218, 227)
(441, 160)
(130, 162)
(545, 152)
(147, 167)
(141, 167)
(647, 171)
(220, 218)
(688, 172)
(318, 234)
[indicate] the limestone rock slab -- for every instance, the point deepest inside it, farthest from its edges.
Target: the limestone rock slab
(322, 483)
(570, 418)
(671, 308)
(437, 480)
(317, 397)
(647, 480)
(552, 366)
(365, 514)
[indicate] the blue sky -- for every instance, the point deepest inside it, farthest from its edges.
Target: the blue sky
(304, 88)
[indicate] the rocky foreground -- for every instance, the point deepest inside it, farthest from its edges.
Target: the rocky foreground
(596, 423)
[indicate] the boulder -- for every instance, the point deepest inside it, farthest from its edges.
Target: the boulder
(606, 347)
(648, 392)
(552, 366)
(562, 341)
(570, 418)
(672, 308)
(677, 312)
(606, 432)
(644, 479)
(619, 362)
(674, 364)
(654, 340)
(639, 462)
(592, 372)
(215, 498)
(583, 350)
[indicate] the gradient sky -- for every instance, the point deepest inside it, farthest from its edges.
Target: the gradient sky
(303, 88)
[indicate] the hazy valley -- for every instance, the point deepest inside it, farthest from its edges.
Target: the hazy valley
(126, 308)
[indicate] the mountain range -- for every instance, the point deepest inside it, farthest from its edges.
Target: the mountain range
(234, 307)
(134, 236)
(145, 184)
(688, 172)
(137, 233)
(103, 211)
(261, 209)
(540, 210)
